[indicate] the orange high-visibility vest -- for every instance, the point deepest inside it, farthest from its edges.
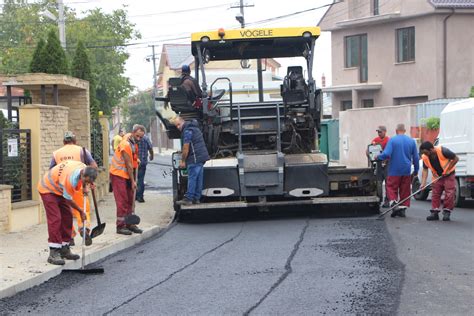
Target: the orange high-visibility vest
(117, 165)
(443, 161)
(68, 152)
(58, 179)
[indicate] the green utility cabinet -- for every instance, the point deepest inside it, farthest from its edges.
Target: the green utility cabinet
(329, 140)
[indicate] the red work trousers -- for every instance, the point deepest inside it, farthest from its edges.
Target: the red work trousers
(123, 198)
(399, 188)
(59, 218)
(448, 185)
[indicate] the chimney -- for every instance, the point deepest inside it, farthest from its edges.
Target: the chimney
(323, 81)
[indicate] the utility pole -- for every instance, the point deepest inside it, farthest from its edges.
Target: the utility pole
(158, 122)
(241, 18)
(61, 24)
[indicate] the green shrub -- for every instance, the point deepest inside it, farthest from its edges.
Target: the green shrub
(431, 122)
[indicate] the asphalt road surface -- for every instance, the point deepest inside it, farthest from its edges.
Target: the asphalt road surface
(287, 262)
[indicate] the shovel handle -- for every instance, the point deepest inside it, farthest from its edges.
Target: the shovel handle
(95, 207)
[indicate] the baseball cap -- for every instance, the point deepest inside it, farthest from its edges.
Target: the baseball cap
(185, 69)
(381, 128)
(69, 135)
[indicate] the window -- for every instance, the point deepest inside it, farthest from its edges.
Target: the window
(405, 44)
(356, 54)
(375, 7)
(346, 105)
(368, 103)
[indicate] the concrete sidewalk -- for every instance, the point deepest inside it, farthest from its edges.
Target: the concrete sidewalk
(23, 255)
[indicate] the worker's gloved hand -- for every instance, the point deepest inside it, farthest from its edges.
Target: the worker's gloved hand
(182, 165)
(414, 175)
(83, 215)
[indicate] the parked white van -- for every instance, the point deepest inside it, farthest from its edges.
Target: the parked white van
(457, 134)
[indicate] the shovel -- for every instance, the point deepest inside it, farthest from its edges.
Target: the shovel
(381, 216)
(133, 219)
(99, 229)
(83, 270)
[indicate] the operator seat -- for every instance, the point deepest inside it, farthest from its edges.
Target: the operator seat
(294, 89)
(178, 97)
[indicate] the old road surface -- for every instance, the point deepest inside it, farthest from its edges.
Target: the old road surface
(285, 262)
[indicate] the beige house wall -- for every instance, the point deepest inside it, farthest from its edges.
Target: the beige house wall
(358, 127)
(409, 82)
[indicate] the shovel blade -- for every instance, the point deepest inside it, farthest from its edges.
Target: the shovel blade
(98, 230)
(85, 271)
(132, 219)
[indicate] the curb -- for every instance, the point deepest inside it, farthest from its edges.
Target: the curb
(90, 258)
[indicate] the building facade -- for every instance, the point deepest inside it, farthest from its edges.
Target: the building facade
(395, 52)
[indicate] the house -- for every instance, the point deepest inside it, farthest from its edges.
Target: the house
(244, 81)
(394, 52)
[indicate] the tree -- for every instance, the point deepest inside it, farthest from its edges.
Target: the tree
(472, 92)
(37, 64)
(54, 56)
(139, 110)
(104, 34)
(81, 68)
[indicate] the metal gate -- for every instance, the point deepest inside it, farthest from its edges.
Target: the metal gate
(15, 162)
(96, 142)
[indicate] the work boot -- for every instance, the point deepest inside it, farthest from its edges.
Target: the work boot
(396, 210)
(184, 201)
(55, 257)
(123, 231)
(446, 215)
(72, 242)
(140, 200)
(67, 254)
(88, 236)
(196, 202)
(434, 216)
(401, 211)
(386, 204)
(135, 229)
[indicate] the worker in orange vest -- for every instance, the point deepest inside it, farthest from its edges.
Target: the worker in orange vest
(56, 189)
(442, 163)
(122, 166)
(71, 151)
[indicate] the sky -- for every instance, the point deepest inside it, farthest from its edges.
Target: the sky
(163, 22)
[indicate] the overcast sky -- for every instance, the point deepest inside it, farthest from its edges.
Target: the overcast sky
(162, 22)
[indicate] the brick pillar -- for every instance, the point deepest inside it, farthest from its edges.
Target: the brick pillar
(5, 207)
(48, 124)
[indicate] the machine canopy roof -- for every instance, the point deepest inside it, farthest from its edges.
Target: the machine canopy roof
(255, 43)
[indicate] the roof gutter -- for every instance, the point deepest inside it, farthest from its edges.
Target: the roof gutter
(445, 52)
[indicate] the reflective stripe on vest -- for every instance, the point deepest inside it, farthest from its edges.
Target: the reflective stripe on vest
(57, 180)
(118, 166)
(55, 190)
(443, 161)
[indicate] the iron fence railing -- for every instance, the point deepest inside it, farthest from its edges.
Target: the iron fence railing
(97, 146)
(15, 162)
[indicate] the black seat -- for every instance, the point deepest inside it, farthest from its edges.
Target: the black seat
(294, 89)
(179, 97)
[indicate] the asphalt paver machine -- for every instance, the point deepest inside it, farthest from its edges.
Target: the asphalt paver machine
(265, 151)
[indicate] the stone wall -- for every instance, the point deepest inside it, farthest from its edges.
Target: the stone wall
(5, 208)
(79, 115)
(47, 124)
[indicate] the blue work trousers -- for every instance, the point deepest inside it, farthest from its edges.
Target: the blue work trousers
(141, 180)
(195, 181)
